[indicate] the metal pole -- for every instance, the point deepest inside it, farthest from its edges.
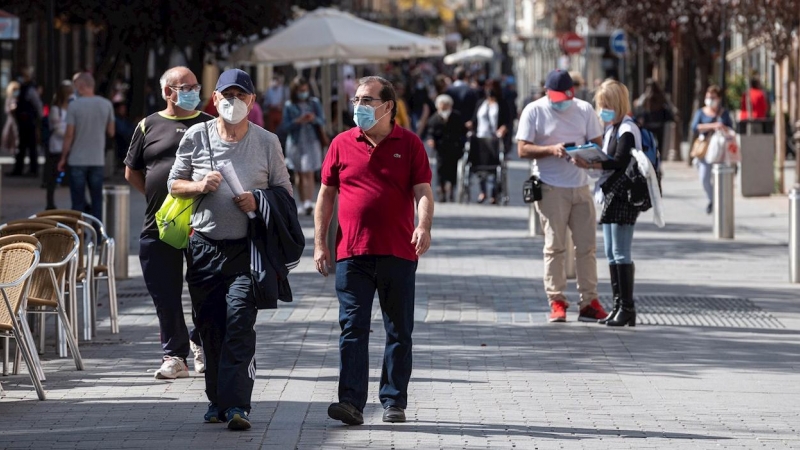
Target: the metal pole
(116, 218)
(534, 222)
(569, 264)
(723, 50)
(723, 201)
(794, 235)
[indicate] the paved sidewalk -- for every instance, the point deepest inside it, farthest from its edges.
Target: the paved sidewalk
(720, 370)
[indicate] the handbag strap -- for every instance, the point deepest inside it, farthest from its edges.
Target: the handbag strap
(213, 165)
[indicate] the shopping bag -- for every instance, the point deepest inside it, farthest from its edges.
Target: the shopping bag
(717, 148)
(734, 155)
(173, 220)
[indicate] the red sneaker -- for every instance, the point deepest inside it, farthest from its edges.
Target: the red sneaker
(593, 312)
(558, 311)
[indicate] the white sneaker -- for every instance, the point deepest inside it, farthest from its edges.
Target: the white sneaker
(172, 367)
(199, 358)
(300, 210)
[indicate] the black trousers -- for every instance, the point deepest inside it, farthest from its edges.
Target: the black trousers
(162, 270)
(27, 146)
(224, 311)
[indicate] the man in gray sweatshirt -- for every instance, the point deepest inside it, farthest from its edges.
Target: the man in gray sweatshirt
(218, 256)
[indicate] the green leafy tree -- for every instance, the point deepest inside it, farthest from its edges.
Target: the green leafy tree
(128, 29)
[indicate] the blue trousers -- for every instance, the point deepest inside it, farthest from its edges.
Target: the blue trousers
(162, 270)
(79, 178)
(357, 280)
(224, 310)
(618, 239)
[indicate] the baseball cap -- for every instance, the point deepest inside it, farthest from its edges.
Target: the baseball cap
(559, 86)
(235, 77)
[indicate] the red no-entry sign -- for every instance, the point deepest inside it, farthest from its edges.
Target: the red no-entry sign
(571, 43)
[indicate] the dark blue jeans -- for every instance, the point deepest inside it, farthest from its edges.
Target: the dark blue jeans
(357, 280)
(162, 270)
(79, 178)
(224, 310)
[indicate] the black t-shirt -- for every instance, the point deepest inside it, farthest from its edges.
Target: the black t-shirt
(153, 146)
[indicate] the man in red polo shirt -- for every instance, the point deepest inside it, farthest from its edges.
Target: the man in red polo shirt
(380, 171)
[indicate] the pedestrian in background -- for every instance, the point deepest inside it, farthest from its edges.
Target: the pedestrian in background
(491, 121)
(218, 256)
(652, 111)
(446, 134)
(402, 118)
(10, 134)
(274, 98)
(546, 127)
(89, 120)
(27, 116)
(369, 167)
(754, 104)
(465, 98)
(711, 117)
(619, 215)
(303, 121)
(420, 105)
(58, 128)
(147, 165)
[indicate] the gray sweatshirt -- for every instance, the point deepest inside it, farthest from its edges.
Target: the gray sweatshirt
(257, 159)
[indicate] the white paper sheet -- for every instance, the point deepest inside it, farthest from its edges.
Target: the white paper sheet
(229, 175)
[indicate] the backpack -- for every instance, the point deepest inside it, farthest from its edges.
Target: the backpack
(650, 148)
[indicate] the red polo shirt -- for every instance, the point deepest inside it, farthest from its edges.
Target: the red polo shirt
(376, 191)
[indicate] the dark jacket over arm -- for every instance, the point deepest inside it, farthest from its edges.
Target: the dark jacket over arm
(276, 245)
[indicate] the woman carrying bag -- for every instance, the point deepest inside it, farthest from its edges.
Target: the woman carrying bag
(619, 213)
(708, 119)
(303, 121)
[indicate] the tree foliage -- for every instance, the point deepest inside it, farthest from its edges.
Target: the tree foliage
(127, 29)
(773, 19)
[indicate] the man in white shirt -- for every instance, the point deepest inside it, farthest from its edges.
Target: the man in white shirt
(546, 127)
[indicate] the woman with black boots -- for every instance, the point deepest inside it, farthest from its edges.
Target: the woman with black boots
(618, 215)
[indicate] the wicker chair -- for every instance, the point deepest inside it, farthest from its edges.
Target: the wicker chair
(26, 227)
(46, 294)
(12, 239)
(103, 268)
(17, 262)
(81, 275)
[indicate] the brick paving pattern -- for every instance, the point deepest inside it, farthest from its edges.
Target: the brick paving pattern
(714, 362)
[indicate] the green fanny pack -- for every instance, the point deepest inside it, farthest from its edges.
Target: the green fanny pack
(173, 220)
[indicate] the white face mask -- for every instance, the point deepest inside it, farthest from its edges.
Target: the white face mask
(445, 114)
(233, 111)
(710, 102)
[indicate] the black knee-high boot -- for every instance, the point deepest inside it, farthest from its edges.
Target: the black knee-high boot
(612, 270)
(627, 311)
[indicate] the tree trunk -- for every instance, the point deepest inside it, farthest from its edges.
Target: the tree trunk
(137, 105)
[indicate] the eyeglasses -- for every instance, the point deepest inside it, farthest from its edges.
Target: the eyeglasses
(357, 100)
(243, 96)
(187, 87)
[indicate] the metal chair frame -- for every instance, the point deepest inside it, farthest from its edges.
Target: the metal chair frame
(18, 326)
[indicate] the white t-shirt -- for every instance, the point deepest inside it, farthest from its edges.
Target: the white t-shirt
(540, 124)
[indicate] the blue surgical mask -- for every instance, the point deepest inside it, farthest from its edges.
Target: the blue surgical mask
(364, 116)
(303, 95)
(561, 106)
(607, 115)
(188, 100)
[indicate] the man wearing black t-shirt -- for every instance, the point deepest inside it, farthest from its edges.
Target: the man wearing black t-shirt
(148, 163)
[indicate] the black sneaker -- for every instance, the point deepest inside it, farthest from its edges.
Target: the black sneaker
(394, 414)
(345, 412)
